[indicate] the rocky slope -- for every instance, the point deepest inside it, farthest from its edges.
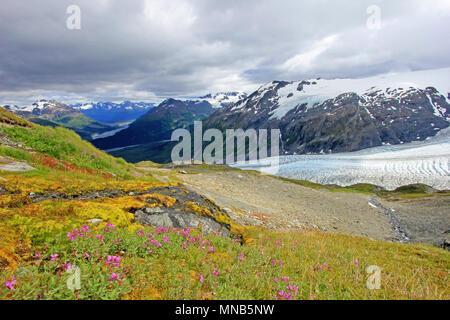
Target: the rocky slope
(324, 116)
(248, 197)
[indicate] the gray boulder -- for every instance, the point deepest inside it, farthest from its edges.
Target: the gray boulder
(175, 218)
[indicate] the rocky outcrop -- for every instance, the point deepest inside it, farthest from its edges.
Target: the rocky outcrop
(176, 218)
(187, 209)
(168, 207)
(16, 166)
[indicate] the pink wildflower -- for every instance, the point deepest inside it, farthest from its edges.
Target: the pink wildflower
(113, 260)
(10, 284)
(53, 257)
(109, 227)
(201, 278)
(211, 250)
(215, 272)
(114, 277)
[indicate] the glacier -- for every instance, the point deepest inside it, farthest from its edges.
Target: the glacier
(386, 166)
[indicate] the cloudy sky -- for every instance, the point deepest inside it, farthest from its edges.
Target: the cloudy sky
(146, 50)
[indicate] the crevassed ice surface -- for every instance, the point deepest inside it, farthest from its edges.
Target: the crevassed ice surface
(390, 167)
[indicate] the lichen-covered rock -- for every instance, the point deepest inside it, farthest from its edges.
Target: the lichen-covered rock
(176, 218)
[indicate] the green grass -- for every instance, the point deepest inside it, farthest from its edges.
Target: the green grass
(65, 145)
(319, 265)
(14, 153)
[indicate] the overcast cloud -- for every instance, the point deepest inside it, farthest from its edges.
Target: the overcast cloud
(145, 50)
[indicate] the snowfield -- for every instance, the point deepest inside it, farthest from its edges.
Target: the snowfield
(390, 167)
(394, 85)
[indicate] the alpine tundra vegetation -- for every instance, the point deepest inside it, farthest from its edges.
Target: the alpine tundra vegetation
(75, 212)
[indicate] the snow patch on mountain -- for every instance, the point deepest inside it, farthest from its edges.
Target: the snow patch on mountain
(386, 86)
(222, 99)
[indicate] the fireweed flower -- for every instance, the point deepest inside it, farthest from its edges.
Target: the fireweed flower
(201, 278)
(71, 236)
(240, 257)
(293, 289)
(114, 277)
(53, 257)
(99, 237)
(215, 272)
(67, 266)
(285, 295)
(10, 284)
(109, 227)
(259, 275)
(113, 260)
(211, 250)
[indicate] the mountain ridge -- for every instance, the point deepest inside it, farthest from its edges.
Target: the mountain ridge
(340, 115)
(53, 113)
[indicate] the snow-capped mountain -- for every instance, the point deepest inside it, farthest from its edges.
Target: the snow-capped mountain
(54, 113)
(319, 115)
(44, 109)
(111, 112)
(223, 99)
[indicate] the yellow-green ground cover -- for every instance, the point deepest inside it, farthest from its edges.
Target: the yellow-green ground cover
(43, 244)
